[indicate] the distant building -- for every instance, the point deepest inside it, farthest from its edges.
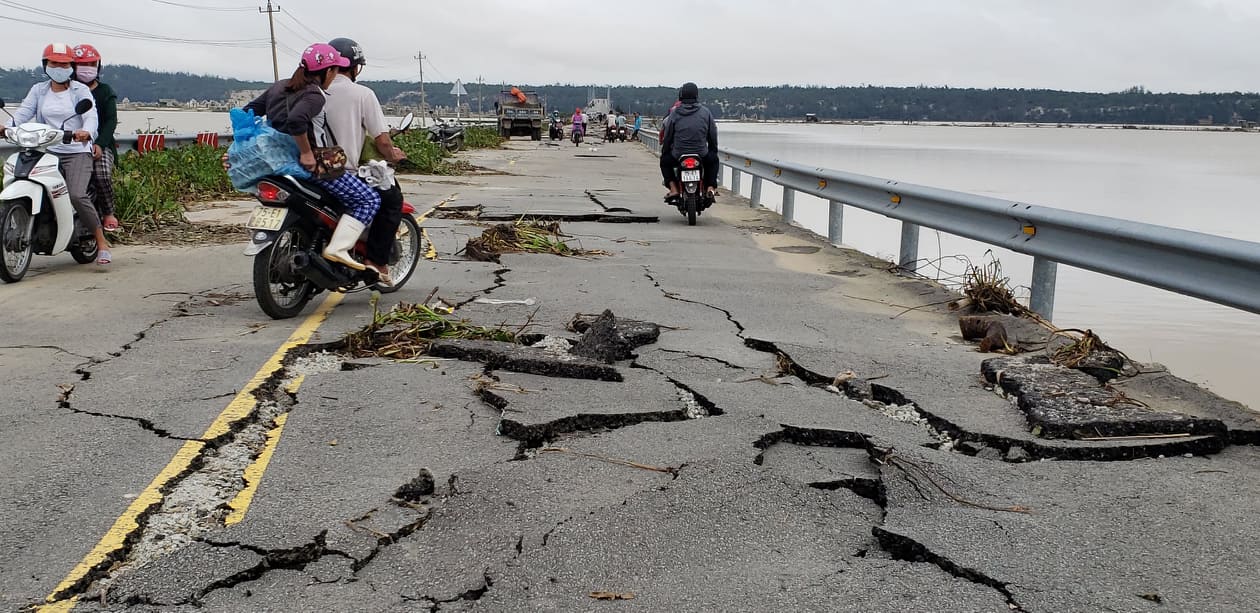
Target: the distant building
(242, 97)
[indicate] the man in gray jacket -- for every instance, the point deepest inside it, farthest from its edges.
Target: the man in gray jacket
(689, 129)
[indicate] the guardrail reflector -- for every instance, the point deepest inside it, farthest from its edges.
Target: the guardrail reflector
(1030, 230)
(822, 184)
(778, 172)
(748, 163)
(896, 199)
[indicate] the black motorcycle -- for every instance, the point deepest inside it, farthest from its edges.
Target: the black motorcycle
(289, 229)
(693, 195)
(557, 130)
(447, 134)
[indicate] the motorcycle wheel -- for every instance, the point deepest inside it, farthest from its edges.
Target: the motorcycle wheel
(453, 145)
(690, 204)
(406, 254)
(281, 291)
(15, 244)
(84, 250)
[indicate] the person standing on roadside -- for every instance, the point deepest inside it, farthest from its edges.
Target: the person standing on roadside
(354, 114)
(52, 102)
(87, 70)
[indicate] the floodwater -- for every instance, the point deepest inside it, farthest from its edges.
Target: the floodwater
(1207, 181)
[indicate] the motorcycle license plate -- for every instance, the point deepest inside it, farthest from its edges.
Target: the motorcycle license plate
(266, 218)
(691, 175)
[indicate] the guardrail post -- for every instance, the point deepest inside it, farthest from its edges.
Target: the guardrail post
(835, 222)
(909, 258)
(735, 179)
(755, 199)
(1044, 274)
(789, 203)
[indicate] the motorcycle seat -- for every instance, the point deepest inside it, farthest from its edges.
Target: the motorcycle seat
(311, 189)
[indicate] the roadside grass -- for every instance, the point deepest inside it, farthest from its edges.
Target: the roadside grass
(151, 189)
(482, 137)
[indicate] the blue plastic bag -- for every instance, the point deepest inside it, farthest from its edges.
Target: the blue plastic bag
(259, 150)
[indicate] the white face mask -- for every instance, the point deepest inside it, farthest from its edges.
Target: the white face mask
(59, 75)
(86, 74)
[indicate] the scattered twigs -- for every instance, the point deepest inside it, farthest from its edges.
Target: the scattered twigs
(905, 466)
(669, 470)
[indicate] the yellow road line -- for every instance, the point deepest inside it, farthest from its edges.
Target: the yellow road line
(431, 252)
(254, 472)
(244, 402)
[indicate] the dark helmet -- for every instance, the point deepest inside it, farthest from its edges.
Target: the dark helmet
(689, 92)
(349, 49)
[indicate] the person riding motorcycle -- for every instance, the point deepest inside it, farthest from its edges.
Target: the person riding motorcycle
(579, 121)
(295, 106)
(354, 115)
(87, 70)
(689, 129)
(52, 102)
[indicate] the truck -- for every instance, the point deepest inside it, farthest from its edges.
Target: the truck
(520, 113)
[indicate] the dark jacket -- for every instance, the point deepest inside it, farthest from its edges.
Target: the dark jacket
(690, 128)
(292, 113)
(107, 115)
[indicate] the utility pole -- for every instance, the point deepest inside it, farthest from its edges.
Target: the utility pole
(420, 58)
(271, 21)
(480, 82)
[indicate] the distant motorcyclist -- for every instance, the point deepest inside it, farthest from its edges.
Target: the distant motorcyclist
(579, 121)
(354, 115)
(689, 130)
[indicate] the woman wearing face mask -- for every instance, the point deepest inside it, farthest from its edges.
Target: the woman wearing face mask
(52, 102)
(295, 106)
(87, 70)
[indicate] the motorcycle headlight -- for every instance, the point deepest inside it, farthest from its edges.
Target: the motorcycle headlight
(29, 139)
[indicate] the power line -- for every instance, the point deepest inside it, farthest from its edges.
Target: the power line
(317, 35)
(75, 24)
(206, 8)
(253, 43)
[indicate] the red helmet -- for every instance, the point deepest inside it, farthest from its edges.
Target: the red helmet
(58, 52)
(86, 54)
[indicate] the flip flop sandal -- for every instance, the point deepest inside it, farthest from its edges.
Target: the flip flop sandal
(103, 257)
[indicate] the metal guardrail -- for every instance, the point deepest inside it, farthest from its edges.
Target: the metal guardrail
(128, 142)
(1214, 268)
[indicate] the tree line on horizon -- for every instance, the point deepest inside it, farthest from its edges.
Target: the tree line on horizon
(1135, 105)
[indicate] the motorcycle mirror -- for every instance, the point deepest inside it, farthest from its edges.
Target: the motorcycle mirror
(6, 111)
(1, 103)
(407, 121)
(83, 106)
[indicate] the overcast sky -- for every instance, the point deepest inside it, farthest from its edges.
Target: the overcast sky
(1091, 45)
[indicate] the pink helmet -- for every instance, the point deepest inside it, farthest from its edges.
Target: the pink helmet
(320, 56)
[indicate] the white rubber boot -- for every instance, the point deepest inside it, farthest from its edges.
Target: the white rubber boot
(343, 240)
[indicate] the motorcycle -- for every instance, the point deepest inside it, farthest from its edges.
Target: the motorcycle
(623, 134)
(36, 216)
(557, 130)
(692, 197)
(289, 228)
(577, 134)
(449, 135)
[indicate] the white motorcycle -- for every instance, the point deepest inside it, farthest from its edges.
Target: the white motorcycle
(36, 216)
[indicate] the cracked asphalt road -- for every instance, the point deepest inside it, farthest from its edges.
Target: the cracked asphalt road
(721, 470)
